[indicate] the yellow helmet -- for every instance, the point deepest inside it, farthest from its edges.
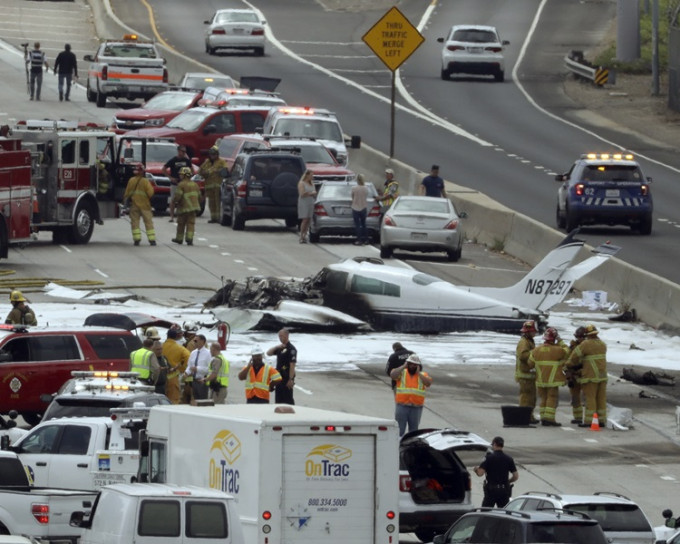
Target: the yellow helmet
(185, 172)
(17, 296)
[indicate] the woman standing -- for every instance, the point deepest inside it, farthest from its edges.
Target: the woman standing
(360, 210)
(306, 198)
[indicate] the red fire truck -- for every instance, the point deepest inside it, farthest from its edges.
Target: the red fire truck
(57, 176)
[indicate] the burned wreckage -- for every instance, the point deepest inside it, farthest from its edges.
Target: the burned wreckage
(366, 294)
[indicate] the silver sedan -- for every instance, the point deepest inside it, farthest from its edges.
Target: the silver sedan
(235, 29)
(422, 223)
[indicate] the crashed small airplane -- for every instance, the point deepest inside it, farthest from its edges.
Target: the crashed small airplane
(359, 294)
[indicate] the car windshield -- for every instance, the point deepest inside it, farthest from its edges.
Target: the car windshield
(203, 82)
(189, 120)
(170, 101)
(615, 517)
(311, 153)
(340, 191)
(474, 36)
(309, 128)
(134, 51)
(565, 533)
(429, 205)
(237, 17)
(616, 172)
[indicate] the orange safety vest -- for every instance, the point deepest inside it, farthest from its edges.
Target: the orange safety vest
(410, 389)
(257, 384)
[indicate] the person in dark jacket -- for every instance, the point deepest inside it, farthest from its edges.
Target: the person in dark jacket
(396, 359)
(67, 67)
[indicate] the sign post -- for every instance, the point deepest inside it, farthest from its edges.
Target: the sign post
(393, 39)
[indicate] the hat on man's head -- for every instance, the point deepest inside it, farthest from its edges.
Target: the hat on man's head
(152, 332)
(414, 359)
(257, 350)
(389, 171)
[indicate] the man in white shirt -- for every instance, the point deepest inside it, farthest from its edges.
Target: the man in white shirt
(198, 368)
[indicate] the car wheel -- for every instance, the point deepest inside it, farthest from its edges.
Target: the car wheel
(499, 76)
(645, 225)
(101, 99)
(561, 221)
(211, 50)
(31, 418)
(238, 222)
(425, 535)
(291, 222)
(259, 51)
(386, 252)
(445, 74)
(455, 254)
(226, 217)
(83, 225)
(314, 237)
(571, 221)
(91, 96)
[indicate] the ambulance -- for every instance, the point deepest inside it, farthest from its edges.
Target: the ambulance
(298, 475)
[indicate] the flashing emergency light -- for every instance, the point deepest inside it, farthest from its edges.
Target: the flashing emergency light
(130, 37)
(618, 156)
(297, 110)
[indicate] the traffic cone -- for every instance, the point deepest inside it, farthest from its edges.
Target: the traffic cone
(595, 424)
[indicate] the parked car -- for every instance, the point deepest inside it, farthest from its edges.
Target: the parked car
(621, 519)
(199, 128)
(235, 29)
(262, 184)
(156, 112)
(506, 526)
(202, 80)
(422, 223)
(333, 212)
(93, 394)
(438, 455)
(473, 49)
(234, 144)
(605, 189)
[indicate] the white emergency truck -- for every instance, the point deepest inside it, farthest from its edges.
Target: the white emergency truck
(298, 475)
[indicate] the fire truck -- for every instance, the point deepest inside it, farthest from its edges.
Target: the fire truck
(57, 176)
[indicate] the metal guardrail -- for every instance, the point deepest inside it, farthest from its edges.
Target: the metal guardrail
(575, 62)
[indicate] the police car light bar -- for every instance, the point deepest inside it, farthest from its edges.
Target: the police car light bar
(303, 110)
(618, 156)
(108, 374)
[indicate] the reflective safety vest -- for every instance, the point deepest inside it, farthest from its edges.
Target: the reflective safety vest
(140, 361)
(392, 189)
(223, 374)
(548, 360)
(410, 389)
(257, 384)
(592, 354)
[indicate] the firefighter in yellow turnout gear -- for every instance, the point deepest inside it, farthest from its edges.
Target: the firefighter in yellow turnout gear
(548, 360)
(139, 191)
(524, 375)
(573, 374)
(213, 171)
(187, 204)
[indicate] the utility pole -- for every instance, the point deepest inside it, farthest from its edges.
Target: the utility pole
(628, 30)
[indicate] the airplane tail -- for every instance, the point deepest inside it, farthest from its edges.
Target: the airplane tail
(550, 281)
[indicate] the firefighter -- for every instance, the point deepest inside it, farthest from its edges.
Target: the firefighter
(187, 203)
(178, 357)
(591, 356)
(139, 192)
(572, 375)
(213, 170)
(548, 360)
(524, 375)
(20, 314)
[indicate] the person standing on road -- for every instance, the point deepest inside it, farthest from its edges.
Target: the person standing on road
(35, 60)
(218, 378)
(396, 359)
(359, 193)
(198, 368)
(286, 361)
(21, 313)
(572, 375)
(525, 376)
(260, 378)
(433, 185)
(189, 330)
(390, 192)
(548, 361)
(213, 170)
(66, 65)
(162, 379)
(145, 363)
(171, 169)
(591, 356)
(187, 204)
(139, 191)
(410, 393)
(306, 198)
(177, 357)
(497, 465)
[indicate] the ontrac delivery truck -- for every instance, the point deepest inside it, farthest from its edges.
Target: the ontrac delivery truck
(298, 475)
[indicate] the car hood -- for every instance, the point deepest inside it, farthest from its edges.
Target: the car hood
(128, 321)
(320, 168)
(446, 439)
(141, 113)
(159, 132)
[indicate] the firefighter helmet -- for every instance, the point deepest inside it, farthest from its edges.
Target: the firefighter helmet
(214, 150)
(152, 332)
(17, 296)
(185, 172)
(591, 330)
(550, 335)
(580, 333)
(529, 326)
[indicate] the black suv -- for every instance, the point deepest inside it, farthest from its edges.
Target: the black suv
(507, 527)
(262, 185)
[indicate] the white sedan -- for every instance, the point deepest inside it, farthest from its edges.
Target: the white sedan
(235, 29)
(473, 49)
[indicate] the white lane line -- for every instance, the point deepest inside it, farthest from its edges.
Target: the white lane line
(101, 273)
(66, 249)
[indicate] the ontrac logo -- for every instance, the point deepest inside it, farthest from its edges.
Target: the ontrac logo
(225, 450)
(325, 461)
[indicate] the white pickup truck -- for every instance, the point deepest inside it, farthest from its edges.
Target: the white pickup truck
(152, 513)
(84, 452)
(126, 68)
(41, 513)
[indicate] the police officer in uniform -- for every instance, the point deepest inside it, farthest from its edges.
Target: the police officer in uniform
(35, 60)
(497, 465)
(286, 360)
(525, 376)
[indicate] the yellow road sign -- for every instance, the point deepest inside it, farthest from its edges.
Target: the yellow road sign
(393, 38)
